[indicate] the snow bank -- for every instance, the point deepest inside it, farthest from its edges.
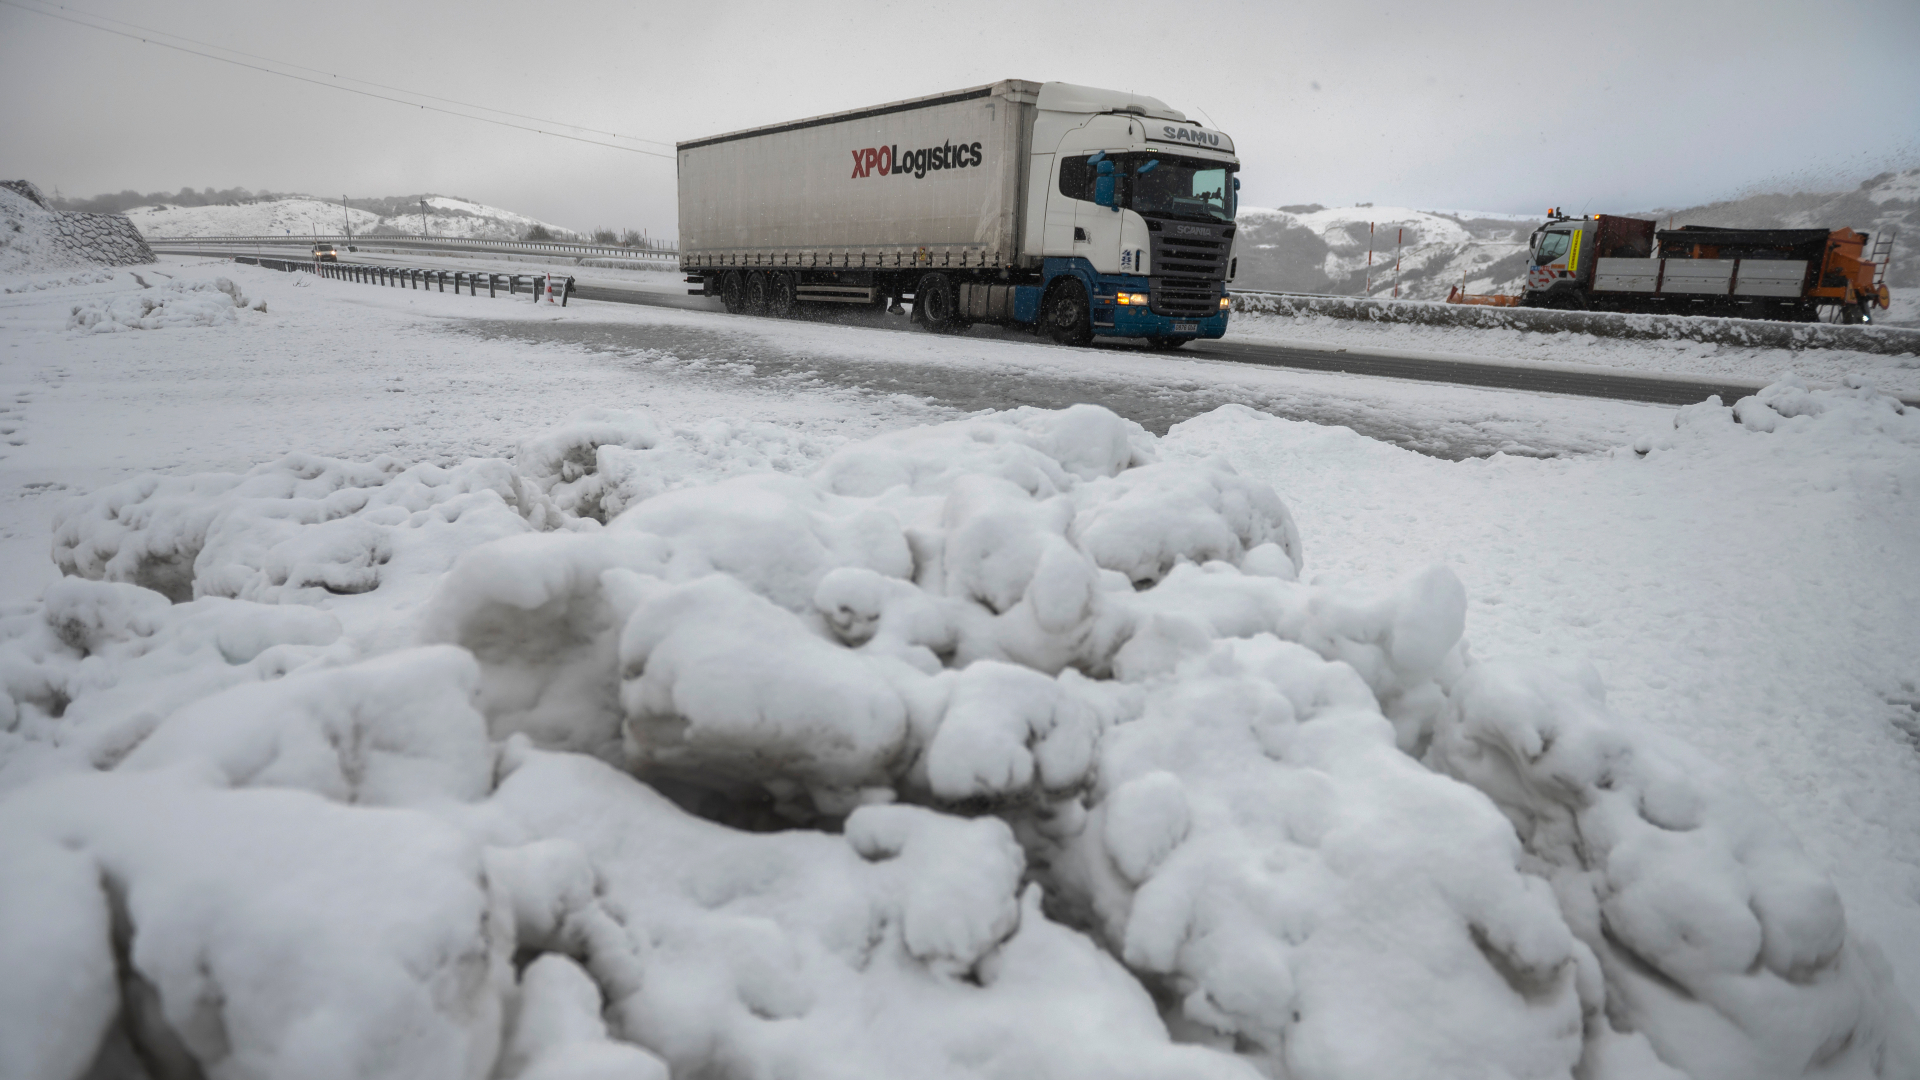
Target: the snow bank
(177, 303)
(998, 748)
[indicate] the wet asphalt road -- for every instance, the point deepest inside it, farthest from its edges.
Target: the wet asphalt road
(769, 360)
(1658, 391)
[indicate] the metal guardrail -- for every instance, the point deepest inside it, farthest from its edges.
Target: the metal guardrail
(408, 277)
(421, 243)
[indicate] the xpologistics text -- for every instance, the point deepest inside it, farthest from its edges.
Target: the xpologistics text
(889, 161)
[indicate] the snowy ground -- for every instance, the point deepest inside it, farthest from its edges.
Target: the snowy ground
(1748, 587)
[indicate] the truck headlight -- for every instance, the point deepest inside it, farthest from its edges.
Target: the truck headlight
(1137, 299)
(1226, 302)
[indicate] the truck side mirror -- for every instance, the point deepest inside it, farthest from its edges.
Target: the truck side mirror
(1103, 193)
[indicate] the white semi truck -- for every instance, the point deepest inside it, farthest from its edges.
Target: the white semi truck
(1076, 211)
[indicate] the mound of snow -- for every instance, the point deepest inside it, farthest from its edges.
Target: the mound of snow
(998, 748)
(175, 304)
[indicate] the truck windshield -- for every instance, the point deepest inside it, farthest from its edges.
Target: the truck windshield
(1550, 246)
(1201, 190)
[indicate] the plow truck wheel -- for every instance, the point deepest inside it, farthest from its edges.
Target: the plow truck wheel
(732, 293)
(756, 293)
(1066, 316)
(781, 301)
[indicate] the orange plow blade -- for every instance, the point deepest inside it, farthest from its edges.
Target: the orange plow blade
(1457, 296)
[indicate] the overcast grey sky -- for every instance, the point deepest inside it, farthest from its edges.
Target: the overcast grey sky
(1493, 106)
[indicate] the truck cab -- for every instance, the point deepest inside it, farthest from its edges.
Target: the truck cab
(1554, 261)
(1136, 238)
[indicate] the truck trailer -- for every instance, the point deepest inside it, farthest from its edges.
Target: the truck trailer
(1074, 211)
(1601, 262)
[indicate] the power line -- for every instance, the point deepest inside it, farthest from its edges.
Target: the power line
(348, 89)
(348, 78)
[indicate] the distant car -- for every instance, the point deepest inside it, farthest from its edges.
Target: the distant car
(325, 253)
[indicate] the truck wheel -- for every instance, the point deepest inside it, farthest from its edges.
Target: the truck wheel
(1066, 317)
(781, 303)
(936, 304)
(756, 293)
(731, 292)
(1166, 342)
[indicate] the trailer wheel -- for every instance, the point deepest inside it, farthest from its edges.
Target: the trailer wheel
(732, 292)
(936, 304)
(756, 293)
(781, 302)
(1066, 317)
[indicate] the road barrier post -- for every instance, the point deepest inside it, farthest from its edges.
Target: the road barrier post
(1367, 289)
(1398, 236)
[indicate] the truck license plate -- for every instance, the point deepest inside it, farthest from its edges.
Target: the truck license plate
(1186, 328)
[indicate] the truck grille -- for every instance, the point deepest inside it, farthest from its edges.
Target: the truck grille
(1190, 267)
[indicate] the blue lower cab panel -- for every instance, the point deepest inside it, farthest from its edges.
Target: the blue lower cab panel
(1109, 318)
(1140, 322)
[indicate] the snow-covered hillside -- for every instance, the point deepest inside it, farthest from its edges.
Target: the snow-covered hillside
(305, 217)
(1324, 250)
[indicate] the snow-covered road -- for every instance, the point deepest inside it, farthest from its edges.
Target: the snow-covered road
(1754, 593)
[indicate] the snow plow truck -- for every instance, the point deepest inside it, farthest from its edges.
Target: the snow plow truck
(1601, 262)
(1070, 210)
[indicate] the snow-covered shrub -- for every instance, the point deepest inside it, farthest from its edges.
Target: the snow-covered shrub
(1721, 943)
(177, 303)
(907, 947)
(95, 667)
(604, 461)
(295, 529)
(1258, 848)
(396, 730)
(253, 933)
(1094, 770)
